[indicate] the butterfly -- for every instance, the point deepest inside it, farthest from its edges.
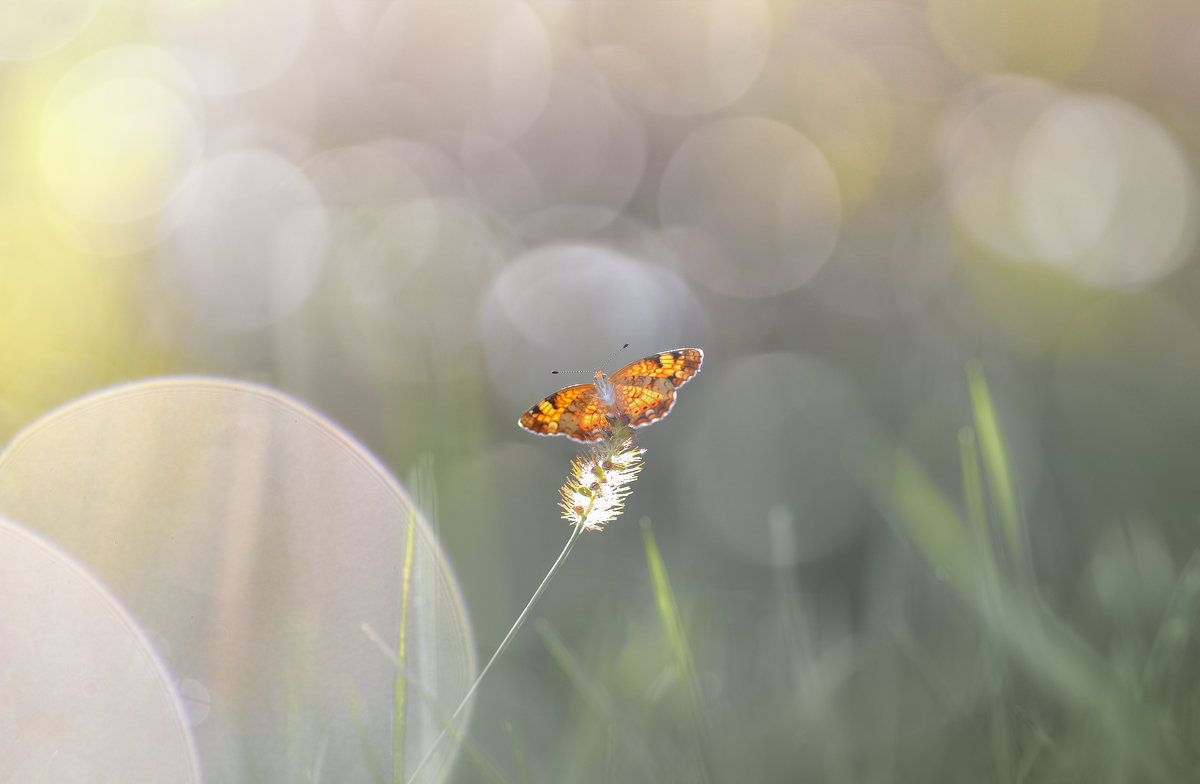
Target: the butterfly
(637, 394)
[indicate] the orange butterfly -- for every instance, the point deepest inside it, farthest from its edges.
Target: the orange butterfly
(638, 393)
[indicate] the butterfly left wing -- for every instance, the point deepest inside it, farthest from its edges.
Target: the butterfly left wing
(574, 412)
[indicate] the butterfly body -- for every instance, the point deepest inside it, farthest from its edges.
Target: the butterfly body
(606, 391)
(638, 394)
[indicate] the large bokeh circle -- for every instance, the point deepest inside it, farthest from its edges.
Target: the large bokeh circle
(254, 542)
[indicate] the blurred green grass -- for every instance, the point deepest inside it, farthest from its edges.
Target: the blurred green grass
(957, 668)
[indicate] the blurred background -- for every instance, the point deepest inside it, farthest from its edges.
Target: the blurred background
(928, 511)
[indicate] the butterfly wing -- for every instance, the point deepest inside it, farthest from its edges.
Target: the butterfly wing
(645, 391)
(646, 388)
(574, 412)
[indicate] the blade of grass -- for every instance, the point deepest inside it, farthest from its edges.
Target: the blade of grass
(814, 669)
(576, 530)
(374, 764)
(400, 688)
(473, 752)
(1002, 744)
(908, 497)
(1001, 726)
(517, 755)
(1033, 751)
(1167, 652)
(977, 515)
(1031, 636)
(668, 614)
(973, 493)
(595, 698)
(999, 473)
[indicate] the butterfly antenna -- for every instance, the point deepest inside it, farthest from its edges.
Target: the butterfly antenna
(607, 363)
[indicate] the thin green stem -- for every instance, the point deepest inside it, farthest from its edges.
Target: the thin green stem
(502, 647)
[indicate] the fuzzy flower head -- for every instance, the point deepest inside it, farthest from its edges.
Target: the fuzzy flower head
(594, 494)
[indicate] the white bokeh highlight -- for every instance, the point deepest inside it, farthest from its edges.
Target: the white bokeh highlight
(981, 134)
(565, 305)
(1090, 186)
(233, 46)
(1104, 193)
(485, 66)
(118, 151)
(121, 131)
(681, 58)
(32, 30)
(253, 540)
(584, 149)
(86, 697)
(751, 207)
(250, 242)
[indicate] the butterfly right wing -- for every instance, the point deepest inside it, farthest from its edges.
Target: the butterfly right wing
(646, 388)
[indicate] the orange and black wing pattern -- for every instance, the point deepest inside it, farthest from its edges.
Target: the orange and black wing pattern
(646, 388)
(645, 391)
(574, 412)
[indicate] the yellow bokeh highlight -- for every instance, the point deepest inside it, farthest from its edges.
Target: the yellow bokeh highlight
(32, 30)
(835, 98)
(1048, 39)
(116, 152)
(67, 317)
(65, 322)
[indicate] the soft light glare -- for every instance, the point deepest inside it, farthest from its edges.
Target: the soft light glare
(486, 65)
(1104, 193)
(982, 132)
(1051, 39)
(118, 151)
(234, 46)
(247, 532)
(1088, 185)
(86, 697)
(32, 30)
(250, 244)
(538, 299)
(752, 207)
(535, 292)
(585, 148)
(682, 58)
(835, 96)
(119, 133)
(1066, 181)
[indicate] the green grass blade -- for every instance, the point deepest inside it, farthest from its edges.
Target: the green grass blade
(596, 699)
(593, 696)
(473, 752)
(374, 765)
(998, 467)
(400, 688)
(1028, 634)
(668, 614)
(977, 518)
(972, 482)
(1166, 656)
(1002, 733)
(517, 755)
(908, 497)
